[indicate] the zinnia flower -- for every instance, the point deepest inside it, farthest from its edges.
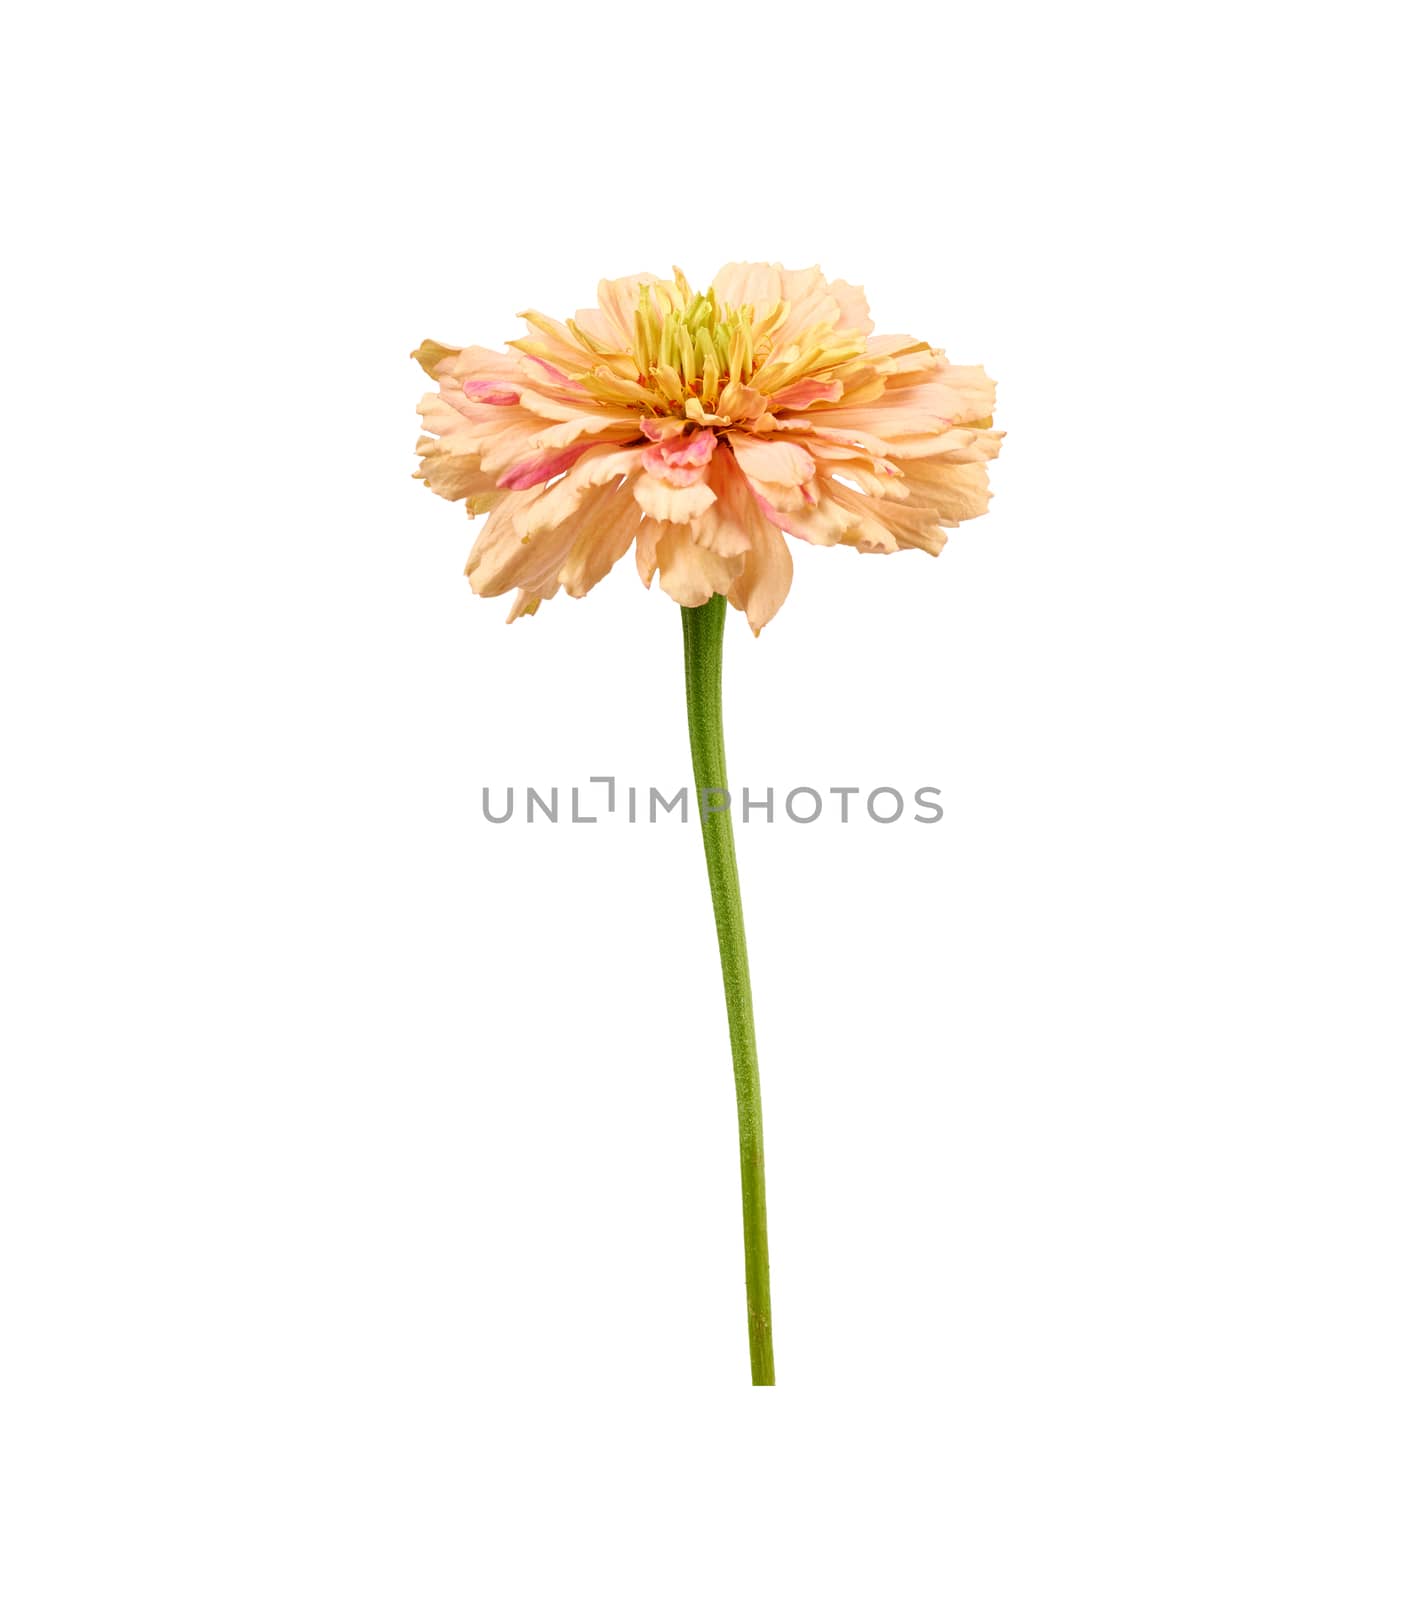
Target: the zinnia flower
(702, 428)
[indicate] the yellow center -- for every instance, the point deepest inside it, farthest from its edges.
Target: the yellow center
(692, 356)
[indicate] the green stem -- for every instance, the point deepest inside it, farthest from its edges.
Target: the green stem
(703, 674)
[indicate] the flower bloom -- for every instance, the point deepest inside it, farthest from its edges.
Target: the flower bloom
(702, 428)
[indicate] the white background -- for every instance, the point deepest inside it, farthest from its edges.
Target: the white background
(370, 1213)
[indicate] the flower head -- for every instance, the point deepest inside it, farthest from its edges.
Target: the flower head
(702, 428)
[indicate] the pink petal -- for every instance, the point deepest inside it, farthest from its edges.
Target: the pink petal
(548, 464)
(489, 393)
(681, 461)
